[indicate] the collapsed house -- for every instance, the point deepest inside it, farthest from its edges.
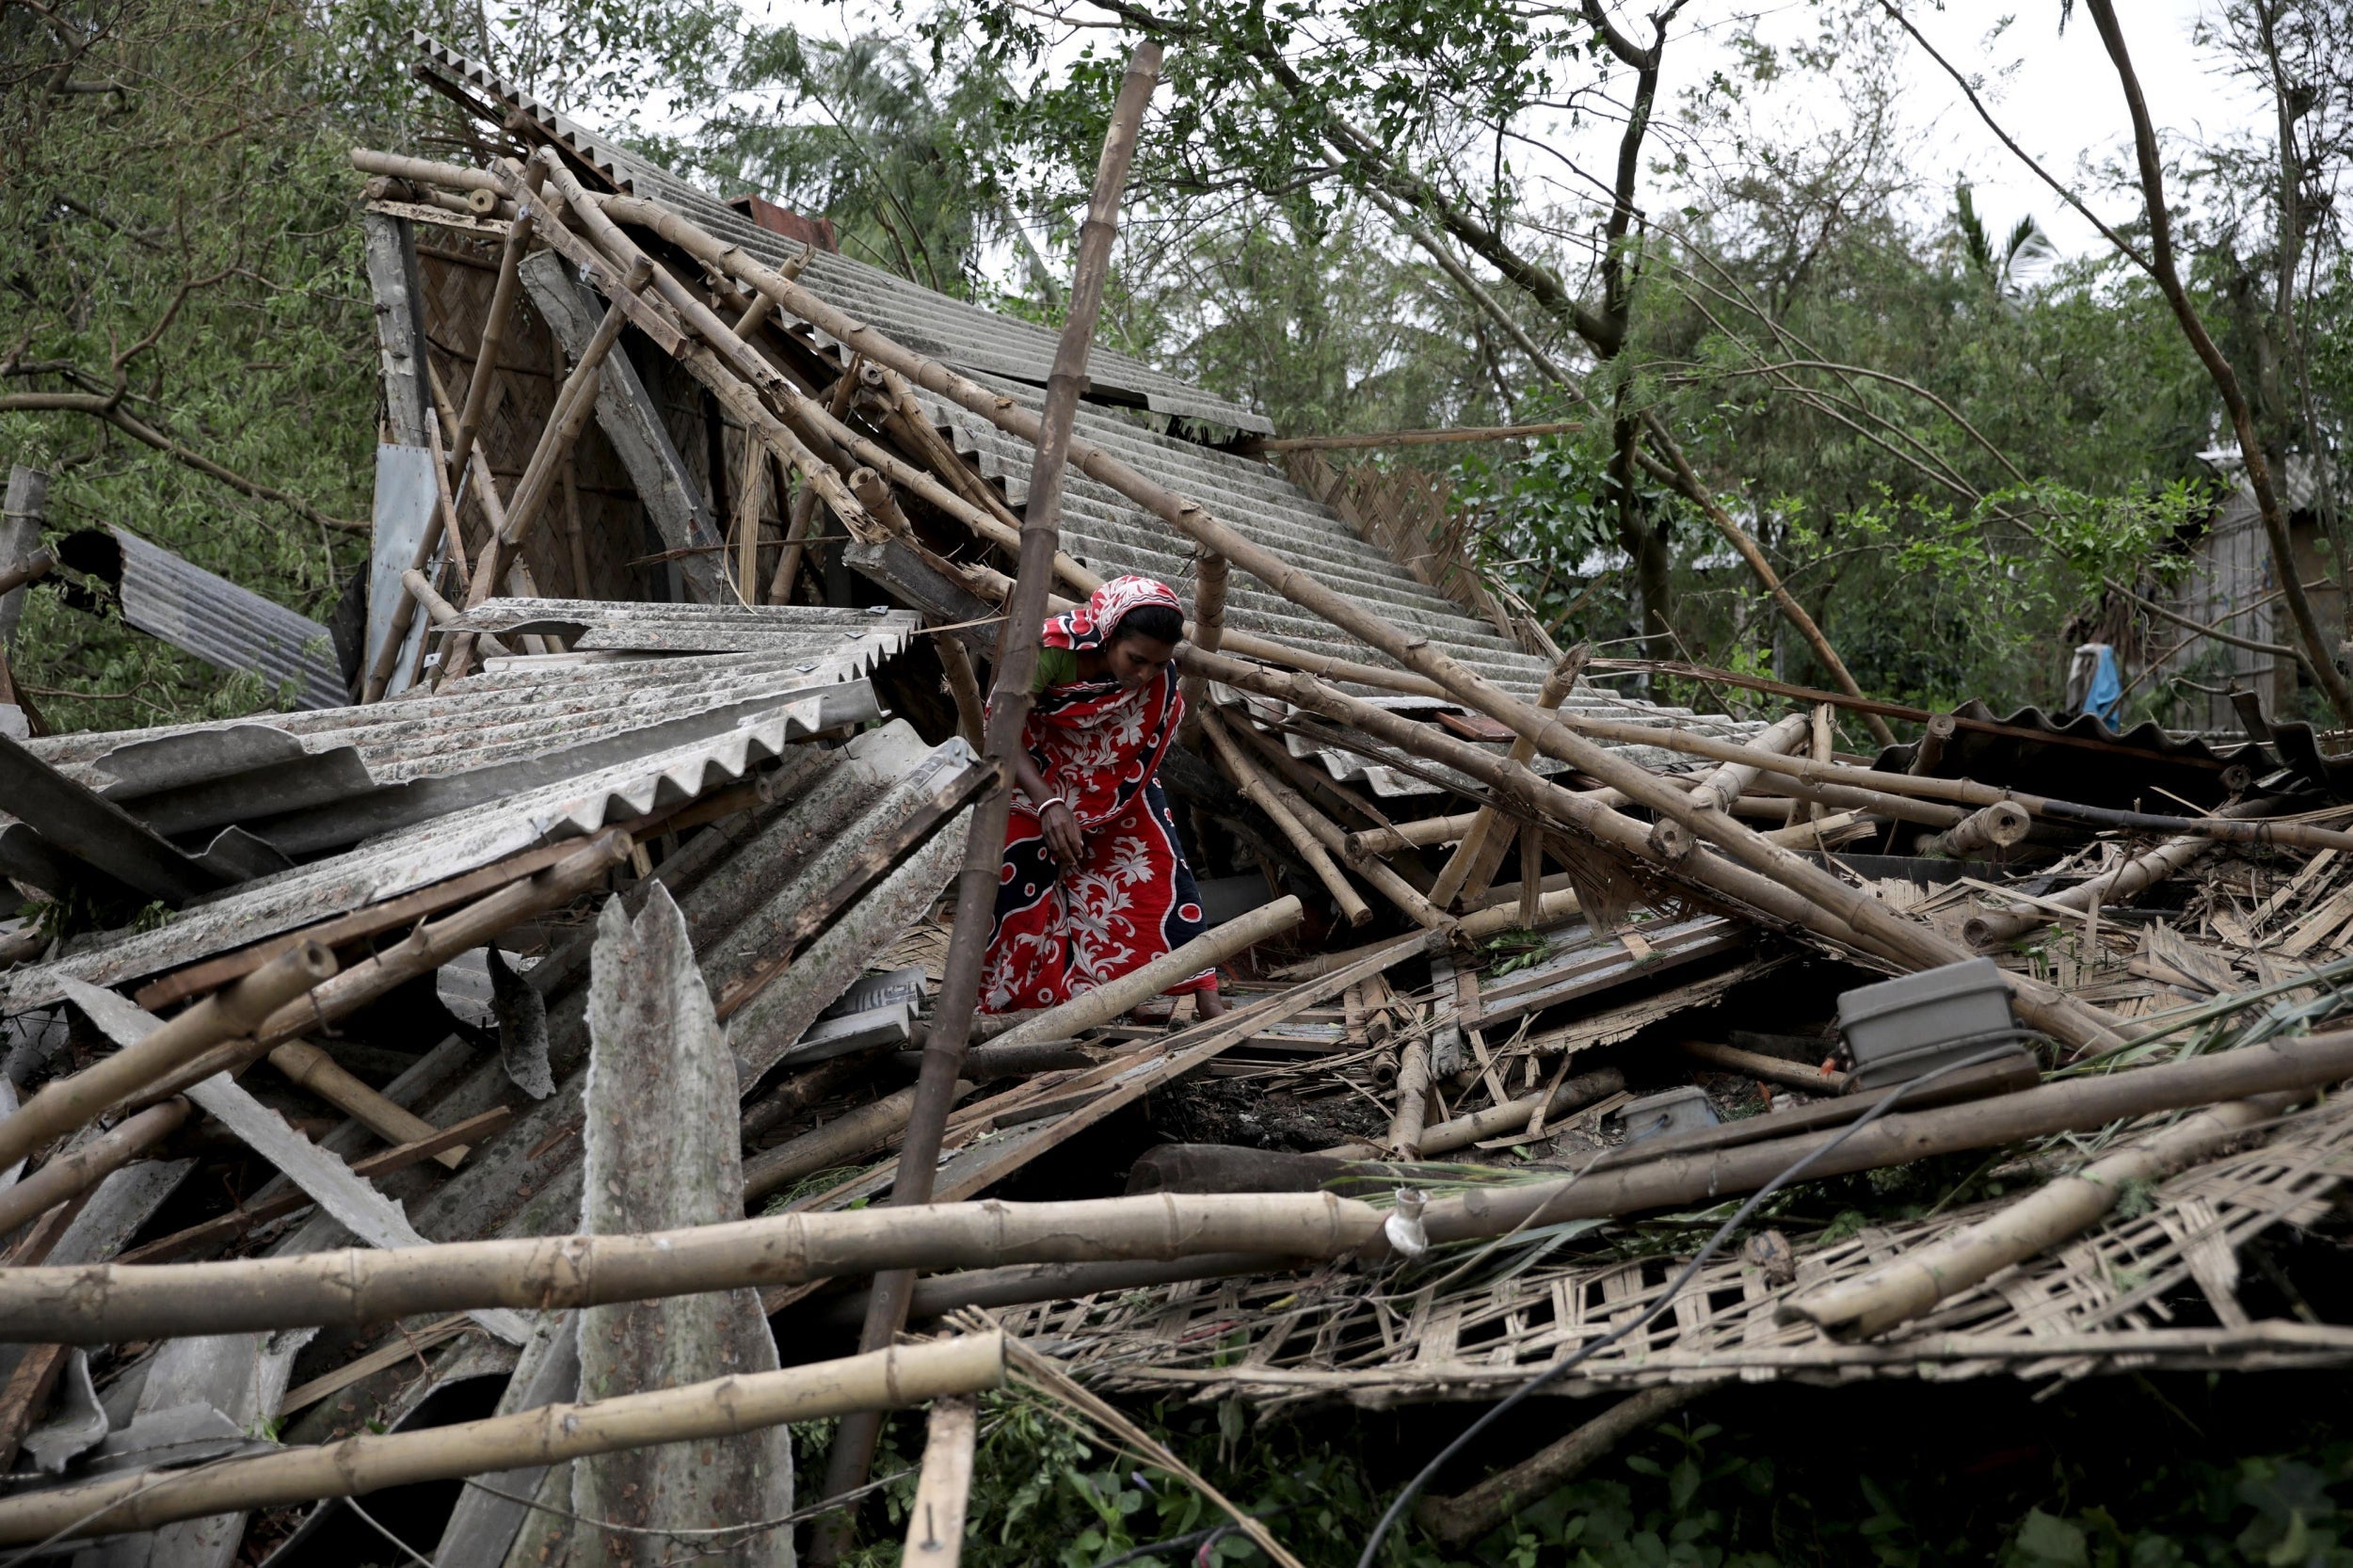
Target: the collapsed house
(626, 817)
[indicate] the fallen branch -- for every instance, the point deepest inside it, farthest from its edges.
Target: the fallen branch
(1459, 1520)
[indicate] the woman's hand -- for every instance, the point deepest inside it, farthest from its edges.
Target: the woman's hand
(1064, 840)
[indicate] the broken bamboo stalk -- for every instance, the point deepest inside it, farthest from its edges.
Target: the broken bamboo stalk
(424, 950)
(964, 687)
(320, 1073)
(1771, 896)
(838, 1143)
(736, 372)
(1093, 1009)
(99, 1304)
(750, 493)
(1425, 833)
(804, 506)
(1773, 1069)
(66, 1103)
(1406, 1122)
(1997, 826)
(441, 611)
(1261, 792)
(1729, 781)
(1211, 575)
(2274, 1067)
(944, 1487)
(1387, 880)
(469, 418)
(1462, 868)
(575, 401)
(79, 1170)
(2122, 885)
(1499, 1120)
(549, 1435)
(32, 569)
(1909, 1284)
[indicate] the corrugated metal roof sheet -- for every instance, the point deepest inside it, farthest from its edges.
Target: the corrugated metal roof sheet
(2080, 758)
(199, 613)
(310, 781)
(950, 331)
(432, 852)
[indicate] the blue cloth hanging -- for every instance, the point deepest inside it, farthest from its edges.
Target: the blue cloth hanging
(2105, 700)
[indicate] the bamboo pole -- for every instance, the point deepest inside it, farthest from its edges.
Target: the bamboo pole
(2274, 1067)
(1092, 1009)
(751, 492)
(1261, 791)
(935, 1514)
(441, 611)
(32, 569)
(1499, 1121)
(1423, 833)
(1773, 1069)
(79, 1170)
(1407, 899)
(804, 504)
(1406, 1122)
(66, 1103)
(1997, 826)
(963, 688)
(85, 1305)
(1414, 438)
(549, 1434)
(509, 284)
(1471, 854)
(1902, 939)
(1009, 709)
(320, 1073)
(1905, 1287)
(2122, 885)
(574, 402)
(424, 950)
(1211, 572)
(838, 1143)
(1770, 896)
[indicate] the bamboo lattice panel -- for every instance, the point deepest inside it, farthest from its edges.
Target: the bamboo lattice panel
(2106, 1302)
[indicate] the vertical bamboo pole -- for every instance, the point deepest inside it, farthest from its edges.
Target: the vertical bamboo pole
(749, 494)
(1471, 854)
(485, 361)
(1825, 735)
(964, 687)
(1016, 662)
(575, 538)
(1211, 574)
(805, 498)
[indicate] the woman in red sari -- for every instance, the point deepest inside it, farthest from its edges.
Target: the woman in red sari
(1095, 884)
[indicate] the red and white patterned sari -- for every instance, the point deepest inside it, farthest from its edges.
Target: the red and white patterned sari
(1062, 931)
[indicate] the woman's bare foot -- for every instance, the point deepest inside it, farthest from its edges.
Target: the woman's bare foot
(1207, 1003)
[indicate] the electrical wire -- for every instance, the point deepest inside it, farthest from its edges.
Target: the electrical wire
(1413, 1488)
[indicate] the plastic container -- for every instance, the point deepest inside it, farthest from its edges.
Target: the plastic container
(1670, 1111)
(1900, 1029)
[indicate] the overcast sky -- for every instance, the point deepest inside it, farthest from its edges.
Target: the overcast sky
(2057, 94)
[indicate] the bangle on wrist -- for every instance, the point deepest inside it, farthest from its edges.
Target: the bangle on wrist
(1051, 800)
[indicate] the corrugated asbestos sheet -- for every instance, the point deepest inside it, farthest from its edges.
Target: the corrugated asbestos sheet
(2082, 760)
(511, 760)
(950, 331)
(228, 627)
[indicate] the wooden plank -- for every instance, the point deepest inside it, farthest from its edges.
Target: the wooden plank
(389, 246)
(936, 1517)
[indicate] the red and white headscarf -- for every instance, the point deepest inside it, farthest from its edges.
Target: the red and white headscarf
(1092, 624)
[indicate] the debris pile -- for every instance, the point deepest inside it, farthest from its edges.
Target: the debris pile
(553, 1041)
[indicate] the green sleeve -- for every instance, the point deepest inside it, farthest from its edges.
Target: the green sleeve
(1056, 667)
